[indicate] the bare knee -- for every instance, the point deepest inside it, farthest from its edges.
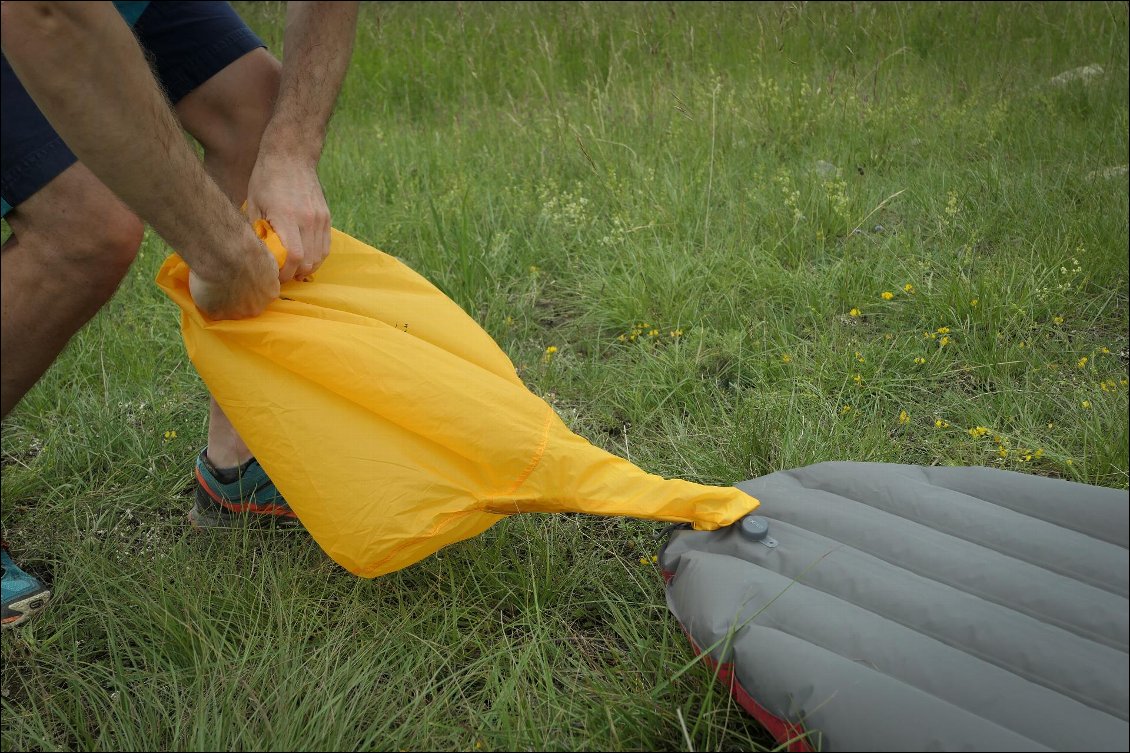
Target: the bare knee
(97, 243)
(248, 118)
(229, 113)
(117, 244)
(73, 238)
(258, 105)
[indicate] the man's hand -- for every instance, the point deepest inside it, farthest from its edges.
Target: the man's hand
(286, 192)
(284, 186)
(252, 283)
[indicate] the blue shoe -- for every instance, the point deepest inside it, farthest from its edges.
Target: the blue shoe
(22, 595)
(252, 496)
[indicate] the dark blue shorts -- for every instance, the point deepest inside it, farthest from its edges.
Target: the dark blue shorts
(186, 42)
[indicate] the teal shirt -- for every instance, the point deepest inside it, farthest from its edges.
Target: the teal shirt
(131, 11)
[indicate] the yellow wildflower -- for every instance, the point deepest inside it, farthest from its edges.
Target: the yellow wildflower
(1038, 453)
(170, 435)
(854, 312)
(908, 288)
(978, 431)
(1086, 404)
(941, 424)
(1082, 362)
(1105, 351)
(857, 379)
(649, 560)
(904, 418)
(1003, 452)
(859, 356)
(887, 295)
(920, 360)
(974, 302)
(676, 333)
(944, 341)
(1070, 461)
(786, 358)
(1057, 320)
(951, 204)
(845, 410)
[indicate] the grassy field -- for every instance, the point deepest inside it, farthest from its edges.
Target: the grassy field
(758, 236)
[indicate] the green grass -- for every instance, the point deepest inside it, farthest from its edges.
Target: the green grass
(571, 174)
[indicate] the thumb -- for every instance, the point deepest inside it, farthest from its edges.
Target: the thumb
(291, 238)
(288, 235)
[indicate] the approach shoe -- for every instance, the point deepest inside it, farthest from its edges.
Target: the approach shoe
(22, 595)
(249, 497)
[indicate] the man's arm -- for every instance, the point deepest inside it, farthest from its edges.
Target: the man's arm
(86, 72)
(284, 186)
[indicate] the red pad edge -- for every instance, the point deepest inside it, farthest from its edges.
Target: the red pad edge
(784, 732)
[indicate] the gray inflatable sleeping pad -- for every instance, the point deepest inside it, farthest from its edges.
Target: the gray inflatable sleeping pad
(896, 607)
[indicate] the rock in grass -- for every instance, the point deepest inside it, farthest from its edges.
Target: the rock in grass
(1109, 173)
(825, 169)
(1083, 74)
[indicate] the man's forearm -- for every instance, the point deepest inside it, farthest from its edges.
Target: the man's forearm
(316, 53)
(86, 72)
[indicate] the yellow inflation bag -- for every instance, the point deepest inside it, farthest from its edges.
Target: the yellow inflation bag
(394, 425)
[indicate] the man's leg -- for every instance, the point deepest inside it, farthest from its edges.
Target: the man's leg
(227, 115)
(72, 243)
(222, 84)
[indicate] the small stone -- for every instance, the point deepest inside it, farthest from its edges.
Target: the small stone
(1082, 74)
(825, 169)
(1108, 173)
(878, 229)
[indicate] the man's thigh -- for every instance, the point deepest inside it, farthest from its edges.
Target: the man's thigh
(188, 43)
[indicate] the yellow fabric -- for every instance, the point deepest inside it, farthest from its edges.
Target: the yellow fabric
(394, 425)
